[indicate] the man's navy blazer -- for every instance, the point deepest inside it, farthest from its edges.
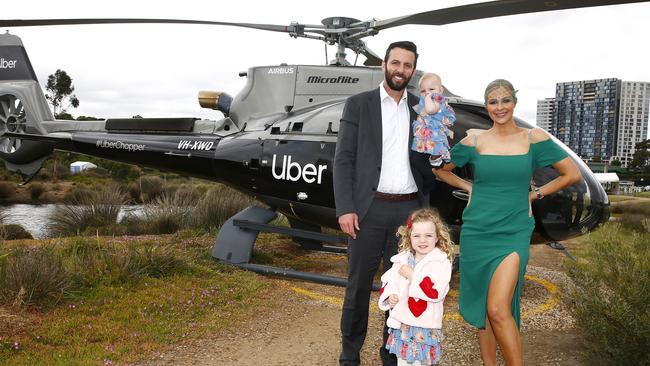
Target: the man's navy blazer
(357, 162)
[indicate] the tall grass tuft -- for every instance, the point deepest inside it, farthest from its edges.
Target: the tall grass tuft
(44, 275)
(97, 210)
(610, 296)
(187, 208)
(640, 207)
(33, 276)
(217, 205)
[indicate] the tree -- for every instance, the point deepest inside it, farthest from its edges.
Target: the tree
(641, 157)
(59, 91)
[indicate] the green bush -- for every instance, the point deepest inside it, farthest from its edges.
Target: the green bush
(610, 295)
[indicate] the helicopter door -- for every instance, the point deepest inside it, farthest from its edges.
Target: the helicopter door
(297, 166)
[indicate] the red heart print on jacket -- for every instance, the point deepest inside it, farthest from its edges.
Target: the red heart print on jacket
(417, 307)
(427, 287)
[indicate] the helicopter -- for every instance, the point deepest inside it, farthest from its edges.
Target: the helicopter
(277, 137)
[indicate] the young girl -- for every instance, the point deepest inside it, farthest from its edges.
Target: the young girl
(415, 287)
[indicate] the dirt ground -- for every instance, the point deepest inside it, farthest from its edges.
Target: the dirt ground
(299, 325)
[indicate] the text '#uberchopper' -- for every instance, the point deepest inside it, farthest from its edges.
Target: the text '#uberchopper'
(277, 139)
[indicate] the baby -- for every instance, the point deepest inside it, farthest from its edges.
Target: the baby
(435, 116)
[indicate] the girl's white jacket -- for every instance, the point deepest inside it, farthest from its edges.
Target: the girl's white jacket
(421, 299)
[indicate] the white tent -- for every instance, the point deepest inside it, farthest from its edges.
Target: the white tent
(609, 181)
(79, 166)
(606, 177)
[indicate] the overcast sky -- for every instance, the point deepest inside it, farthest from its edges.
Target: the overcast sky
(157, 70)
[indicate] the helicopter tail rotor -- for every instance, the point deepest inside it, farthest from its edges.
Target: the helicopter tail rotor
(23, 108)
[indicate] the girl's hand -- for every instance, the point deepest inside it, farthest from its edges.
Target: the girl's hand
(393, 300)
(406, 271)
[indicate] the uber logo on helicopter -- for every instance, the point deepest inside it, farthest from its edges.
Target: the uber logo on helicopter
(195, 145)
(293, 171)
(8, 64)
(281, 70)
(337, 80)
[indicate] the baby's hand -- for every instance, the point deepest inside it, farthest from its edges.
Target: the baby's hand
(406, 271)
(393, 300)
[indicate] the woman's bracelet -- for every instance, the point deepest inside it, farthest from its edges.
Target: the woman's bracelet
(538, 193)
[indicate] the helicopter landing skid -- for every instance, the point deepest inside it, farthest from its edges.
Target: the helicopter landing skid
(236, 239)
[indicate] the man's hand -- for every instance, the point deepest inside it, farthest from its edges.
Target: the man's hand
(349, 224)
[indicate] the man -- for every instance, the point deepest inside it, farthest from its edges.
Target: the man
(374, 187)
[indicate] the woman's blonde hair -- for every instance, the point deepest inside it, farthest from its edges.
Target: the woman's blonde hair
(426, 215)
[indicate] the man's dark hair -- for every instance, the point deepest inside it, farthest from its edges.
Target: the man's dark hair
(407, 45)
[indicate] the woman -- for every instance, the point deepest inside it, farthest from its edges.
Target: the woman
(498, 222)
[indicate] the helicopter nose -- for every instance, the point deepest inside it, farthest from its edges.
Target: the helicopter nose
(574, 210)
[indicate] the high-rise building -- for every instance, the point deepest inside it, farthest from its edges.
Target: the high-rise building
(632, 119)
(545, 108)
(586, 115)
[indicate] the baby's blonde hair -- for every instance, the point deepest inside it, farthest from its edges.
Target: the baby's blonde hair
(426, 215)
(428, 75)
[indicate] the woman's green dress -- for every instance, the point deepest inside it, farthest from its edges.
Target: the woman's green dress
(496, 221)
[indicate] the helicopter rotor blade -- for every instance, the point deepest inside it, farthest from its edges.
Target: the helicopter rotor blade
(490, 10)
(293, 28)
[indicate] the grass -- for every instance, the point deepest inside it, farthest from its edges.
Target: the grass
(113, 320)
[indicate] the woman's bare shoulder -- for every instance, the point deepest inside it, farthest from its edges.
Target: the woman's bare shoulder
(471, 136)
(538, 135)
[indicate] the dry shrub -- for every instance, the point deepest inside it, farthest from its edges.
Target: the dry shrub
(151, 186)
(7, 190)
(14, 231)
(36, 190)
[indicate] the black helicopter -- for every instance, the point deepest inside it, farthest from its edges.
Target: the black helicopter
(277, 139)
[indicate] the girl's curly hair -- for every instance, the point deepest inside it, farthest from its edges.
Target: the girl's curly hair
(426, 215)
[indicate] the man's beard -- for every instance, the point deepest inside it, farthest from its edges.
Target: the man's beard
(397, 87)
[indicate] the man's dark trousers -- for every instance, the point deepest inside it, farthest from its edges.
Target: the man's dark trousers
(376, 242)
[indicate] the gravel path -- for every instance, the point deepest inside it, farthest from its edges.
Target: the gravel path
(299, 325)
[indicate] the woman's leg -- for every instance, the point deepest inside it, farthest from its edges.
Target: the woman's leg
(488, 344)
(499, 309)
